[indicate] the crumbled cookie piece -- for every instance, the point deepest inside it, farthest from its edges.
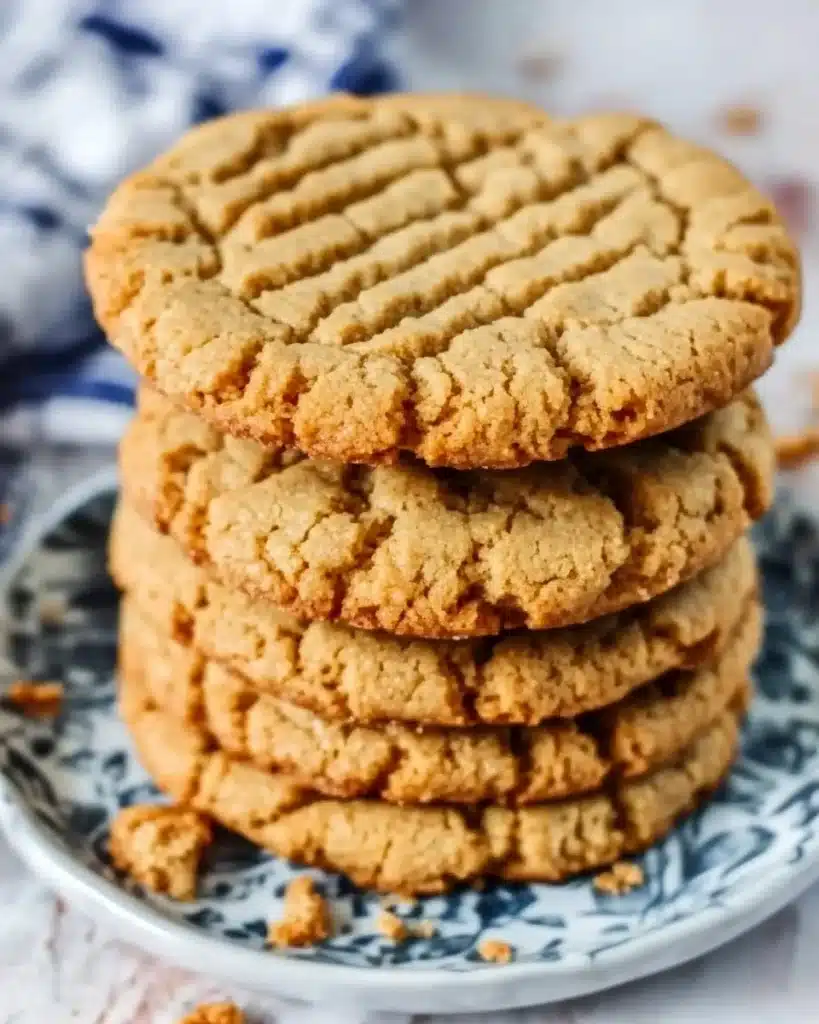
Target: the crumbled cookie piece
(215, 1013)
(306, 918)
(741, 119)
(620, 879)
(796, 450)
(495, 951)
(391, 926)
(160, 847)
(42, 700)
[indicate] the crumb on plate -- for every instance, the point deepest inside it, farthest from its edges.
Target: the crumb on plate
(160, 847)
(391, 926)
(38, 699)
(306, 918)
(621, 878)
(495, 951)
(214, 1013)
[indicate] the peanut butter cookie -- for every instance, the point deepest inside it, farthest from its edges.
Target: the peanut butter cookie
(471, 281)
(412, 765)
(424, 552)
(348, 674)
(423, 849)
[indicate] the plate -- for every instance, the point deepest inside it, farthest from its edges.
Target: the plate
(754, 848)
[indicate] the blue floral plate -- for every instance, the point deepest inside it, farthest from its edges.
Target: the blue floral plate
(753, 849)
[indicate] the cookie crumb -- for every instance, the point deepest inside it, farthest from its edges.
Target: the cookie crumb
(495, 951)
(160, 847)
(795, 450)
(391, 926)
(741, 119)
(42, 700)
(215, 1013)
(539, 67)
(5, 513)
(306, 918)
(620, 879)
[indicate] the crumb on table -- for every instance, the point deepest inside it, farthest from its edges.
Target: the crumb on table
(621, 878)
(214, 1013)
(495, 951)
(306, 918)
(160, 847)
(40, 699)
(741, 119)
(797, 450)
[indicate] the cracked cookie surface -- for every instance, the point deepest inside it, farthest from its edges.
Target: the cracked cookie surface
(423, 849)
(345, 674)
(468, 280)
(422, 552)
(408, 764)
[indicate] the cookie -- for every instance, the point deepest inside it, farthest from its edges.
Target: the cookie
(422, 552)
(470, 281)
(160, 847)
(348, 674)
(422, 849)
(407, 764)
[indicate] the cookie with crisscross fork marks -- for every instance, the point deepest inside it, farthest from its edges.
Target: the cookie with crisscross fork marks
(462, 278)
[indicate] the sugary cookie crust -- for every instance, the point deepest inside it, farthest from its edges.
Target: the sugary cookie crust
(474, 282)
(406, 764)
(423, 552)
(423, 849)
(350, 675)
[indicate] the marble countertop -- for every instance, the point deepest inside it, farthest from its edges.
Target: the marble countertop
(683, 62)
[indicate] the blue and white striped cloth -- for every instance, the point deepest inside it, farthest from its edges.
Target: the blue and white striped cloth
(90, 89)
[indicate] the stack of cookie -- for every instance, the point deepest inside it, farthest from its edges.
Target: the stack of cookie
(433, 515)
